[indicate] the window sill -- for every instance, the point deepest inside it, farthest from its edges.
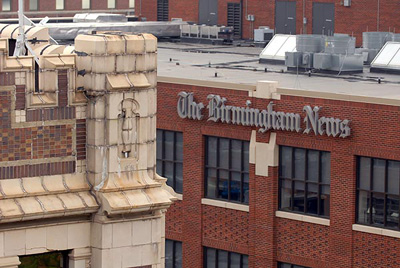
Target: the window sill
(179, 196)
(303, 218)
(223, 204)
(376, 230)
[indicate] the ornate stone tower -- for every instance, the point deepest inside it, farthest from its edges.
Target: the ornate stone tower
(118, 74)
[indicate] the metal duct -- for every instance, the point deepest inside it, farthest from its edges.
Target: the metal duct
(376, 40)
(340, 44)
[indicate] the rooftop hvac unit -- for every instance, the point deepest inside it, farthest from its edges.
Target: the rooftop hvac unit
(263, 34)
(310, 43)
(376, 40)
(340, 44)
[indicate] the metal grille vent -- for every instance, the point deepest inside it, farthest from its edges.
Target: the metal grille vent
(235, 18)
(162, 10)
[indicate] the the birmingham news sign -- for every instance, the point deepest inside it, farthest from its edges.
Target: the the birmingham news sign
(265, 120)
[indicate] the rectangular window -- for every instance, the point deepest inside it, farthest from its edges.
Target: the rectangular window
(85, 4)
(288, 265)
(216, 258)
(131, 3)
(59, 4)
(227, 169)
(33, 4)
(304, 181)
(173, 254)
(111, 3)
(58, 259)
(6, 5)
(170, 158)
(378, 192)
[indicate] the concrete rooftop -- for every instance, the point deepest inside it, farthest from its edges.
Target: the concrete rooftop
(240, 65)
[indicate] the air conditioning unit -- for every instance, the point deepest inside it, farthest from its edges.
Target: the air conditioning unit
(263, 34)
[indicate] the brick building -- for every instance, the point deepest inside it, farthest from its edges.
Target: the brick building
(295, 17)
(273, 174)
(65, 8)
(77, 168)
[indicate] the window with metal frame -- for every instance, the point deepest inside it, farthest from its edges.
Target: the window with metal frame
(170, 158)
(288, 265)
(173, 254)
(227, 169)
(33, 4)
(59, 4)
(162, 10)
(304, 181)
(216, 258)
(378, 192)
(235, 18)
(6, 5)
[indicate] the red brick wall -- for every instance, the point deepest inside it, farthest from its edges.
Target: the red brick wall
(375, 131)
(360, 17)
(146, 8)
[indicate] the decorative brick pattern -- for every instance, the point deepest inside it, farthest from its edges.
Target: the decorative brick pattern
(7, 79)
(32, 170)
(226, 227)
(81, 139)
(57, 113)
(173, 223)
(20, 98)
(62, 88)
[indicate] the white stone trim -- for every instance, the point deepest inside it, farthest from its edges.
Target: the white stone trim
(376, 230)
(303, 218)
(223, 204)
(179, 196)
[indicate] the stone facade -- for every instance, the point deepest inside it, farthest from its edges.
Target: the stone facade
(78, 153)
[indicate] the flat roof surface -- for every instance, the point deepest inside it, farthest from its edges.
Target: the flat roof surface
(235, 64)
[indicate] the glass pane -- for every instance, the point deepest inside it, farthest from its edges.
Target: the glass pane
(246, 156)
(286, 195)
(212, 151)
(169, 170)
(312, 198)
(211, 258)
(222, 259)
(245, 261)
(235, 260)
(276, 43)
(159, 144)
(393, 177)
(245, 198)
(211, 182)
(298, 202)
(236, 179)
(378, 201)
(178, 255)
(169, 255)
(392, 211)
(169, 145)
(223, 184)
(299, 163)
(289, 46)
(285, 265)
(6, 5)
(326, 167)
(386, 54)
(224, 153)
(33, 4)
(378, 183)
(178, 146)
(363, 207)
(236, 155)
(286, 162)
(324, 207)
(59, 4)
(159, 168)
(313, 165)
(365, 173)
(178, 178)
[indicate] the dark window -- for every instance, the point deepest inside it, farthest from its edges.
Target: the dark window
(378, 192)
(53, 259)
(288, 265)
(173, 254)
(304, 181)
(216, 258)
(227, 169)
(170, 158)
(162, 10)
